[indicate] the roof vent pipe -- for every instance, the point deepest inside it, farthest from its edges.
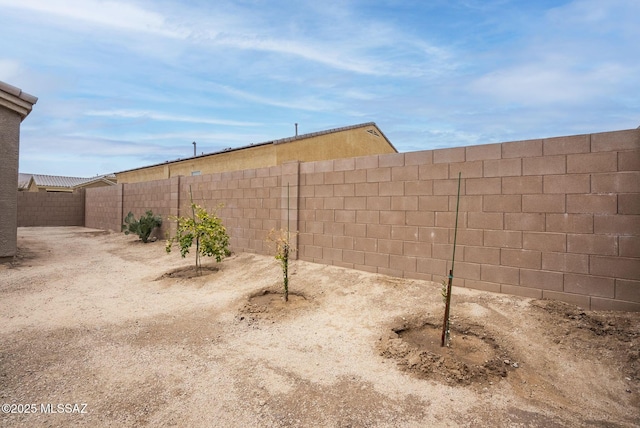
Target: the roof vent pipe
(296, 129)
(194, 149)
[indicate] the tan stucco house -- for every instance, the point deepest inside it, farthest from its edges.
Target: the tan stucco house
(347, 142)
(15, 105)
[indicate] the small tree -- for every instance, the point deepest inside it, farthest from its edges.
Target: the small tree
(142, 227)
(206, 230)
(281, 240)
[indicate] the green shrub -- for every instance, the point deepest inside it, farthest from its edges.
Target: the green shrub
(206, 230)
(142, 227)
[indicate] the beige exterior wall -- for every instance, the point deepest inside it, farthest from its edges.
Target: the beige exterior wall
(250, 158)
(158, 172)
(53, 189)
(348, 143)
(337, 145)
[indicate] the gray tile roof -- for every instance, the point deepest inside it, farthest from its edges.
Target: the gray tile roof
(23, 180)
(56, 180)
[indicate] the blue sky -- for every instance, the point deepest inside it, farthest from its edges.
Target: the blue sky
(127, 83)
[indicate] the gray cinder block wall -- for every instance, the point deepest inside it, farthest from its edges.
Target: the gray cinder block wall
(15, 105)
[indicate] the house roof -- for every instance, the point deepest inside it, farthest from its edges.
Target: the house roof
(41, 180)
(280, 141)
(108, 179)
(23, 181)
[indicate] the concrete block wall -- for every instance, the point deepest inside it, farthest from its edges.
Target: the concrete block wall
(103, 207)
(9, 149)
(552, 218)
(51, 208)
(158, 196)
(250, 202)
(15, 106)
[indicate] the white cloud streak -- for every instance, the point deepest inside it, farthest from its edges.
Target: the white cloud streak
(117, 14)
(354, 55)
(151, 115)
(308, 103)
(548, 83)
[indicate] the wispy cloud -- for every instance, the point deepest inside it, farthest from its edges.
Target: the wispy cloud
(313, 103)
(579, 54)
(117, 14)
(550, 84)
(151, 115)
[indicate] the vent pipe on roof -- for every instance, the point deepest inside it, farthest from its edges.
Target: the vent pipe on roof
(194, 149)
(296, 129)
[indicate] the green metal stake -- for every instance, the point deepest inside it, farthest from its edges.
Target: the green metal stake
(447, 307)
(285, 254)
(193, 212)
(288, 215)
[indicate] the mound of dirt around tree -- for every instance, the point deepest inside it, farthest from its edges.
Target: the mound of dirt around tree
(189, 272)
(269, 304)
(473, 356)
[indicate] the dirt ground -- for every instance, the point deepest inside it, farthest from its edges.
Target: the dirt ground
(102, 320)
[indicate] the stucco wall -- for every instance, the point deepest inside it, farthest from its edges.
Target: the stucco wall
(347, 143)
(9, 149)
(343, 144)
(250, 158)
(554, 218)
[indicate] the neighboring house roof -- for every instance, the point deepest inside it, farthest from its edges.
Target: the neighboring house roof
(41, 180)
(23, 181)
(109, 180)
(274, 142)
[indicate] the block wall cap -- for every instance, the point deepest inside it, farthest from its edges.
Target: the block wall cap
(15, 99)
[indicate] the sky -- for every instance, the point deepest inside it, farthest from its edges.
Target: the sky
(128, 83)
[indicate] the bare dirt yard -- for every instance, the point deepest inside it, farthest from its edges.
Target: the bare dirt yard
(102, 320)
